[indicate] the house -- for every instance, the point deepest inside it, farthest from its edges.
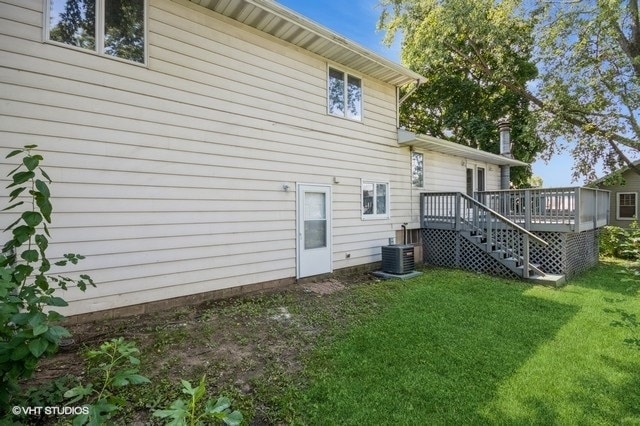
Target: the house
(208, 148)
(624, 186)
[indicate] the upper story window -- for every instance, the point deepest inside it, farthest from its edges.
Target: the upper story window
(344, 97)
(108, 27)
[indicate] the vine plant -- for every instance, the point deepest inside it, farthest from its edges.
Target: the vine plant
(29, 328)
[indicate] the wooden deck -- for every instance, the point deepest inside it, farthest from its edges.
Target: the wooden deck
(535, 234)
(573, 209)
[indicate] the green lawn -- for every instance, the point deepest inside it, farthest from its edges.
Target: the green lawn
(453, 347)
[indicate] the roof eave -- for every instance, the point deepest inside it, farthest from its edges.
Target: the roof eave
(430, 143)
(386, 70)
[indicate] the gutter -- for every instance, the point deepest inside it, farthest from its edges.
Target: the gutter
(331, 36)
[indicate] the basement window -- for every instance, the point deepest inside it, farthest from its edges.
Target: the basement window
(113, 28)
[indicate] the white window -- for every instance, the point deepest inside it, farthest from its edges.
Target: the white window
(375, 200)
(108, 27)
(627, 205)
(417, 169)
(344, 95)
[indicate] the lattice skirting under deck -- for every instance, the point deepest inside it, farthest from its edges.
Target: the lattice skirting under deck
(567, 253)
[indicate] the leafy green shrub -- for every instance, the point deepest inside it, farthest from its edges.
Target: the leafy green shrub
(28, 329)
(113, 365)
(610, 238)
(623, 243)
(192, 413)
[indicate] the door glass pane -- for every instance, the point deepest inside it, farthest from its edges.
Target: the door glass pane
(470, 182)
(314, 205)
(315, 234)
(315, 223)
(480, 179)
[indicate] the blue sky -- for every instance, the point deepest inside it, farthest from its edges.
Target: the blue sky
(357, 21)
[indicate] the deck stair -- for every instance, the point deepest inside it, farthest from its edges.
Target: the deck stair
(496, 235)
(510, 259)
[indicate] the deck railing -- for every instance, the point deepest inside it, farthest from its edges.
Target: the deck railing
(572, 209)
(454, 210)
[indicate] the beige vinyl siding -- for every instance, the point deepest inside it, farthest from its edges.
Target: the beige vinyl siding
(169, 177)
(445, 173)
(493, 177)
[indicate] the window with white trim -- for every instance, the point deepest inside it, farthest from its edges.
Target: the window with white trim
(627, 205)
(344, 95)
(108, 27)
(417, 169)
(375, 200)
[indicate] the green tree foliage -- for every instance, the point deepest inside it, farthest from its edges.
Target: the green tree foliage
(459, 102)
(571, 68)
(589, 54)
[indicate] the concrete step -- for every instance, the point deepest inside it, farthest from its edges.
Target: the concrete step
(548, 279)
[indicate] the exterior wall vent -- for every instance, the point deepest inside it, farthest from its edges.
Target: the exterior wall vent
(398, 259)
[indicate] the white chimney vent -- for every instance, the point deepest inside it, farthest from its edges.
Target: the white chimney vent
(505, 137)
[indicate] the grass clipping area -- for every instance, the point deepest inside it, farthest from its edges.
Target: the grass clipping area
(453, 347)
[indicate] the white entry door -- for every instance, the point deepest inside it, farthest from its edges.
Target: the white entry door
(314, 230)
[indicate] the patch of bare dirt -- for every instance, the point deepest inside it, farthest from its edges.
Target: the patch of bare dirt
(324, 287)
(248, 347)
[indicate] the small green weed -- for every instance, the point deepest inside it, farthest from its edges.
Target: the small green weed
(114, 365)
(191, 413)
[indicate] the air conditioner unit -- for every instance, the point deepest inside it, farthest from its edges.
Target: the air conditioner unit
(398, 259)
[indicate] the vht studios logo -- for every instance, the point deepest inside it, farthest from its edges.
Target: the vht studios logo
(49, 411)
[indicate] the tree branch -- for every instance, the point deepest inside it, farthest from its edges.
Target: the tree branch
(584, 125)
(631, 46)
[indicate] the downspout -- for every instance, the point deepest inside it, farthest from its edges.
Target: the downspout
(505, 150)
(409, 93)
(400, 101)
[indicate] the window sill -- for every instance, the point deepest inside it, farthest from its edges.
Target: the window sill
(97, 54)
(351, 120)
(375, 217)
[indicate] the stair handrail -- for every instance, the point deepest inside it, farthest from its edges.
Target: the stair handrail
(504, 219)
